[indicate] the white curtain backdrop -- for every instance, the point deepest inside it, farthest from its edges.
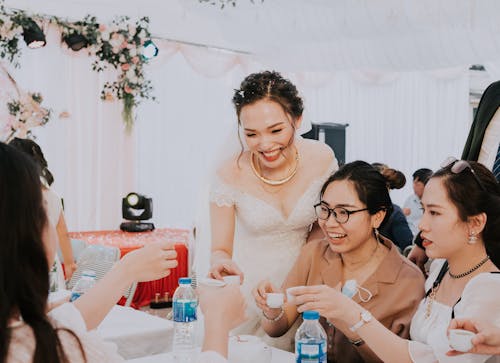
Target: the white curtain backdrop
(407, 120)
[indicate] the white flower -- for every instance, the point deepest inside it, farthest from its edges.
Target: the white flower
(122, 59)
(132, 30)
(105, 35)
(132, 51)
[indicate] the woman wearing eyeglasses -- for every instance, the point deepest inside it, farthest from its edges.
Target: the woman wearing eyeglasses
(460, 228)
(354, 203)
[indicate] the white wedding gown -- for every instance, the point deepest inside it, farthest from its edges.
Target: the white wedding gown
(266, 244)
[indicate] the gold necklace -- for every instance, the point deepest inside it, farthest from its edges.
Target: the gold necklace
(280, 181)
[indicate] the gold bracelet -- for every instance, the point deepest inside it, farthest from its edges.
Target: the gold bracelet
(280, 315)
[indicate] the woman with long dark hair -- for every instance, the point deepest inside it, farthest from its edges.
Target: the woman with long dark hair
(27, 249)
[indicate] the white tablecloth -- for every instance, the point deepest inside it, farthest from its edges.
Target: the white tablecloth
(279, 356)
(136, 333)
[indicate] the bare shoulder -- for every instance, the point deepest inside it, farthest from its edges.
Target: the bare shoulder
(230, 170)
(317, 153)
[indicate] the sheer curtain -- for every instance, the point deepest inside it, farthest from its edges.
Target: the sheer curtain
(407, 120)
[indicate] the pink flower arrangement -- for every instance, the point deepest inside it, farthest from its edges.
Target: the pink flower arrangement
(26, 113)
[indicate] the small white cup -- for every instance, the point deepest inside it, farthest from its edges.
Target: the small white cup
(275, 299)
(461, 340)
(290, 298)
(232, 280)
(206, 281)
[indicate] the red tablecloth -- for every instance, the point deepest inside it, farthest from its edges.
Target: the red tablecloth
(128, 241)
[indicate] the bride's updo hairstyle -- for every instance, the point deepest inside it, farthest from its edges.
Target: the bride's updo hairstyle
(268, 85)
(472, 196)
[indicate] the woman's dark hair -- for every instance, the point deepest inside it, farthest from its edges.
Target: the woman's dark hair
(24, 270)
(33, 149)
(422, 175)
(468, 196)
(369, 183)
(268, 85)
(395, 179)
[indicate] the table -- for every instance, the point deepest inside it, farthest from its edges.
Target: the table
(129, 241)
(136, 333)
(279, 356)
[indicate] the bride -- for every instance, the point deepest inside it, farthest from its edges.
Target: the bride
(261, 199)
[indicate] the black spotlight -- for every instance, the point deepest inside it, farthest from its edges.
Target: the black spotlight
(33, 35)
(137, 208)
(76, 41)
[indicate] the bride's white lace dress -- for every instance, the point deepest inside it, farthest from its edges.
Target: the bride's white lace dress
(266, 243)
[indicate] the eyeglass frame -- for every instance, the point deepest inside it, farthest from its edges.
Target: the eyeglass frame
(331, 211)
(462, 165)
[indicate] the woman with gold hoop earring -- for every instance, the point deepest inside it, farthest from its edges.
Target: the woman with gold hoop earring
(261, 198)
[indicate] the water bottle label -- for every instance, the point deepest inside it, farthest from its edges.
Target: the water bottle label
(185, 311)
(74, 296)
(311, 353)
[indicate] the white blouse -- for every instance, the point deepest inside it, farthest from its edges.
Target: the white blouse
(480, 300)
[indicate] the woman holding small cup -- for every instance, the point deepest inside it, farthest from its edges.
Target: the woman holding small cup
(354, 203)
(460, 228)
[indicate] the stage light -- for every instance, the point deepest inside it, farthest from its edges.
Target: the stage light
(33, 35)
(75, 41)
(137, 208)
(150, 50)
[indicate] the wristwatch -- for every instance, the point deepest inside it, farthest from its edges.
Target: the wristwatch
(366, 317)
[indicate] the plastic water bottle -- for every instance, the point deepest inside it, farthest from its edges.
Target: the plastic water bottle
(83, 284)
(310, 340)
(185, 303)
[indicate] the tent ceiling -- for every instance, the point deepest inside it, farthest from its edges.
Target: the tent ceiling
(317, 34)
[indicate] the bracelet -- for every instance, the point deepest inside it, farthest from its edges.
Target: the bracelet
(357, 343)
(280, 315)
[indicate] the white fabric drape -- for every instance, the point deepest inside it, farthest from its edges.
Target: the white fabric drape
(407, 120)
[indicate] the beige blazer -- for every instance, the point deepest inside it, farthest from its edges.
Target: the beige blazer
(397, 287)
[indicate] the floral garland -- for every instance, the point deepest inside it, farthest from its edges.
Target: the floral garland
(26, 113)
(119, 45)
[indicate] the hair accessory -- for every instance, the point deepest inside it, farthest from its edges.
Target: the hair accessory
(241, 93)
(280, 181)
(468, 272)
(472, 238)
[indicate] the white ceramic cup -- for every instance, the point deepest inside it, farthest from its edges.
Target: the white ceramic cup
(275, 299)
(460, 340)
(206, 281)
(290, 298)
(232, 280)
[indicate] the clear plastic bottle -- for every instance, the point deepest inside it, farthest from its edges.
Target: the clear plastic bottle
(86, 281)
(185, 303)
(310, 340)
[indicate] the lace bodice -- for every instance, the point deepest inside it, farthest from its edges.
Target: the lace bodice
(266, 243)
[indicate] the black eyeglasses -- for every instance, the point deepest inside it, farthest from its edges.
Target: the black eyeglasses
(340, 214)
(457, 166)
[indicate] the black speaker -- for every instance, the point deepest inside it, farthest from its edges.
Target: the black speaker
(334, 136)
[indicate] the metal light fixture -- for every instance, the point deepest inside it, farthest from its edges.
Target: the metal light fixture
(33, 35)
(150, 50)
(135, 209)
(75, 41)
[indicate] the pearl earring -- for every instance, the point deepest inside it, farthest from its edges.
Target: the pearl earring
(472, 238)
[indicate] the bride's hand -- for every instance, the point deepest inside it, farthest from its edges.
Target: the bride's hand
(225, 267)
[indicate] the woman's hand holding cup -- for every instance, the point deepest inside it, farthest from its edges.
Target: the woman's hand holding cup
(225, 267)
(268, 298)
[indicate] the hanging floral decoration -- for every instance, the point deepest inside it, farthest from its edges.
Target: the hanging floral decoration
(26, 113)
(10, 32)
(119, 45)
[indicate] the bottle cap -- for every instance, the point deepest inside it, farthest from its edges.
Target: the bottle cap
(310, 315)
(89, 273)
(185, 281)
